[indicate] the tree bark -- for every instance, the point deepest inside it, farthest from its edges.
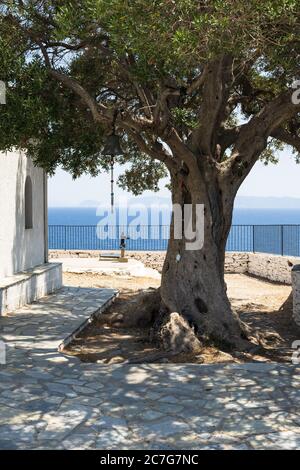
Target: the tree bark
(193, 280)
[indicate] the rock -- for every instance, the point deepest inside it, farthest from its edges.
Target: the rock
(177, 336)
(116, 360)
(140, 310)
(117, 318)
(199, 358)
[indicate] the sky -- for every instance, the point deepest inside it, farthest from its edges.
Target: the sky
(281, 180)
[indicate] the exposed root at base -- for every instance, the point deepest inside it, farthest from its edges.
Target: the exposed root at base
(177, 336)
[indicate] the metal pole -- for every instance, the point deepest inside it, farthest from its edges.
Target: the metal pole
(112, 184)
(46, 229)
(281, 240)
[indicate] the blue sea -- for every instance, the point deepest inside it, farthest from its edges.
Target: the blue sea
(87, 216)
(261, 230)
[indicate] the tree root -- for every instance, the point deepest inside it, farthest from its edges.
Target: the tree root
(175, 335)
(159, 356)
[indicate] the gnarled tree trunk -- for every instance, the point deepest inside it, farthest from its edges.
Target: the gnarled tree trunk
(193, 280)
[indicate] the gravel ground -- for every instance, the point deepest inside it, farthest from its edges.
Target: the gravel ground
(265, 306)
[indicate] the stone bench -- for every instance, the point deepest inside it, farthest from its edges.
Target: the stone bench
(26, 287)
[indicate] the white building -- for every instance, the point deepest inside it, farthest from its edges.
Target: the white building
(25, 274)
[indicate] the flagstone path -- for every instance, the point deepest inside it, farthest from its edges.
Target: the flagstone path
(51, 401)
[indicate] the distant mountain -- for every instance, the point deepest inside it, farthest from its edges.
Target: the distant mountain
(147, 201)
(255, 202)
(242, 202)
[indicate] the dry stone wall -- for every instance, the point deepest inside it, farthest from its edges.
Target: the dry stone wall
(271, 267)
(276, 268)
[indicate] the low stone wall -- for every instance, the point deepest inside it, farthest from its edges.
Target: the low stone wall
(274, 268)
(53, 254)
(236, 262)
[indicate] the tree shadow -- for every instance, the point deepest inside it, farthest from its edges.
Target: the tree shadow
(47, 403)
(276, 328)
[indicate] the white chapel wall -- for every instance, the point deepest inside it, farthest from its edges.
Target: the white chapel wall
(20, 248)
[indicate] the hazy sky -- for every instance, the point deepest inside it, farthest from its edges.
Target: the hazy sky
(281, 180)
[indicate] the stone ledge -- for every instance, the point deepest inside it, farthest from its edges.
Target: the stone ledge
(91, 316)
(275, 268)
(25, 275)
(28, 286)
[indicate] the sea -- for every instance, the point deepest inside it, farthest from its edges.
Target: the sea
(241, 216)
(82, 228)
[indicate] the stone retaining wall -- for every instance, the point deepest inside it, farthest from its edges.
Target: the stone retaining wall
(73, 254)
(271, 267)
(236, 262)
(276, 268)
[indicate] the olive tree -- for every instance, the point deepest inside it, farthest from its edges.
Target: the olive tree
(200, 90)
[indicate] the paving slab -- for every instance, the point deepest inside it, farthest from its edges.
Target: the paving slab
(133, 268)
(52, 401)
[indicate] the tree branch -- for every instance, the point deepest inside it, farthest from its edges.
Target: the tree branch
(218, 78)
(99, 112)
(162, 112)
(156, 150)
(287, 138)
(196, 83)
(143, 93)
(227, 137)
(253, 137)
(178, 147)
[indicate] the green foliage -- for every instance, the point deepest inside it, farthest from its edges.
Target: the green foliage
(143, 174)
(184, 117)
(163, 41)
(270, 154)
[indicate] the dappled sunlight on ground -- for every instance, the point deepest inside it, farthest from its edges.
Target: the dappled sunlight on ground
(264, 306)
(52, 401)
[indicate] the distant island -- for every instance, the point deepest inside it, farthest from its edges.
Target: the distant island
(255, 202)
(148, 201)
(242, 202)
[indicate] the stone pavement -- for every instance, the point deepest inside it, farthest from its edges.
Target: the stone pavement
(50, 401)
(133, 268)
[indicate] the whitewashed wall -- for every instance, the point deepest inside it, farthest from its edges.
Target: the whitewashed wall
(20, 249)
